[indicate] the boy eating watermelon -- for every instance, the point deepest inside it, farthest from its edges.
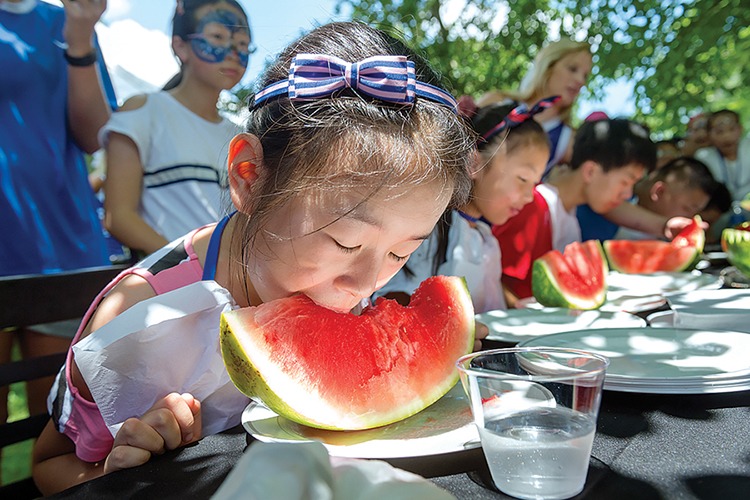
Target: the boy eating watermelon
(682, 188)
(609, 157)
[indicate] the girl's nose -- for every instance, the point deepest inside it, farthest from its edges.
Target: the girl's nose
(361, 278)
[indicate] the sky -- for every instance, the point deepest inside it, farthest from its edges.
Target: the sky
(135, 40)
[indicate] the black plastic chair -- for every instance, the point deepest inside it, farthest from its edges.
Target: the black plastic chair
(31, 300)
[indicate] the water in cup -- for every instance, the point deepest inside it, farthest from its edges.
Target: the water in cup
(539, 453)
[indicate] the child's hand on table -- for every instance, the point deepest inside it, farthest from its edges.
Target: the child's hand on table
(173, 421)
(480, 332)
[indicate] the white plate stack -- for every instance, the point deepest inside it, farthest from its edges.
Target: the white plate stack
(664, 360)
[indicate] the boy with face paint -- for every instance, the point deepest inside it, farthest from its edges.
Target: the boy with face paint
(166, 151)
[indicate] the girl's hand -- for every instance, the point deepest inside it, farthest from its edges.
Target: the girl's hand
(480, 331)
(80, 18)
(173, 421)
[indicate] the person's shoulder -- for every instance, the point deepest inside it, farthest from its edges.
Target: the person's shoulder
(134, 102)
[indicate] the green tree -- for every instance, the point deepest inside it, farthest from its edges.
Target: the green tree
(683, 55)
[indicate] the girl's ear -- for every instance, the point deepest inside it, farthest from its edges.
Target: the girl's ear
(477, 163)
(181, 49)
(244, 164)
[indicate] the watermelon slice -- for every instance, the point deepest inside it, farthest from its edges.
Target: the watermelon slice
(650, 256)
(576, 278)
(692, 235)
(340, 371)
(736, 243)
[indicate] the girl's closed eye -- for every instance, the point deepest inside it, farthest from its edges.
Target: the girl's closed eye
(399, 258)
(345, 248)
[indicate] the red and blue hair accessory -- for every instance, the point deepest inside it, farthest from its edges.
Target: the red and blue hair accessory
(388, 78)
(517, 116)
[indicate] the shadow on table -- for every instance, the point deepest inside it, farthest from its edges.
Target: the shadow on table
(601, 483)
(720, 487)
(624, 414)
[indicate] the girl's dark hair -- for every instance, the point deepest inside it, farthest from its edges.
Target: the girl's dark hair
(185, 22)
(325, 146)
(527, 133)
(613, 143)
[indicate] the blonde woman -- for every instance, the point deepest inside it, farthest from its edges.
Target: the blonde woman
(561, 68)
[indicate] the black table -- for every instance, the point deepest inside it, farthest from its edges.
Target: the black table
(647, 447)
(670, 447)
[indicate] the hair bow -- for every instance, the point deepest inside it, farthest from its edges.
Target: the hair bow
(517, 116)
(388, 78)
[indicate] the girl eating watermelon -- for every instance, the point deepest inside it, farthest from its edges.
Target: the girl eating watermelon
(348, 162)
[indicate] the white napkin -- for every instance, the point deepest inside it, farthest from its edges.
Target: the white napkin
(725, 309)
(169, 343)
(304, 471)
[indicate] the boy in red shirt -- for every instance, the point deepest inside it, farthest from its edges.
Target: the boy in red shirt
(609, 157)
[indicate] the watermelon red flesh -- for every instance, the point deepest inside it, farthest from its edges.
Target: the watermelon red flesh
(648, 256)
(692, 235)
(340, 371)
(576, 278)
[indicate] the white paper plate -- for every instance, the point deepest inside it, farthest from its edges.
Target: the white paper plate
(660, 282)
(517, 325)
(446, 426)
(664, 360)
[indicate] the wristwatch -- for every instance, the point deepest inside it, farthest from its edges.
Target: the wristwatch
(86, 60)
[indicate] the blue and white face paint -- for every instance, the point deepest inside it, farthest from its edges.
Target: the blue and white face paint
(220, 32)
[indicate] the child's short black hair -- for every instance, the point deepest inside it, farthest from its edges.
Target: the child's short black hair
(613, 143)
(694, 174)
(721, 198)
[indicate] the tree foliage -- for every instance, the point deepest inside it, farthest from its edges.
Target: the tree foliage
(684, 56)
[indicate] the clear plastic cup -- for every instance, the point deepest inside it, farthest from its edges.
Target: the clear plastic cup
(536, 411)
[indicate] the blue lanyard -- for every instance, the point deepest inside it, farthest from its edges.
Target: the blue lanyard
(473, 219)
(212, 255)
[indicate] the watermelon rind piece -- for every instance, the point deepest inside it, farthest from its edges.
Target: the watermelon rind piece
(392, 361)
(736, 243)
(649, 256)
(550, 291)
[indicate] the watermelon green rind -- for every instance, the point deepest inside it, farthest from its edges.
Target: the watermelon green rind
(409, 373)
(736, 242)
(550, 292)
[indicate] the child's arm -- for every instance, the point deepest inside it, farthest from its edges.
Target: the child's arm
(644, 220)
(172, 421)
(122, 191)
(88, 110)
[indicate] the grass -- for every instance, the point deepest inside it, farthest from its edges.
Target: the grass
(16, 458)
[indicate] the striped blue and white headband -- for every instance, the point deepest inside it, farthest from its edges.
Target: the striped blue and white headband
(388, 78)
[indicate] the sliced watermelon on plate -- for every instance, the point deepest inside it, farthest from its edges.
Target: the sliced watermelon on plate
(576, 278)
(340, 371)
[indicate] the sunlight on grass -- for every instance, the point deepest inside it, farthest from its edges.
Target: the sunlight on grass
(16, 458)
